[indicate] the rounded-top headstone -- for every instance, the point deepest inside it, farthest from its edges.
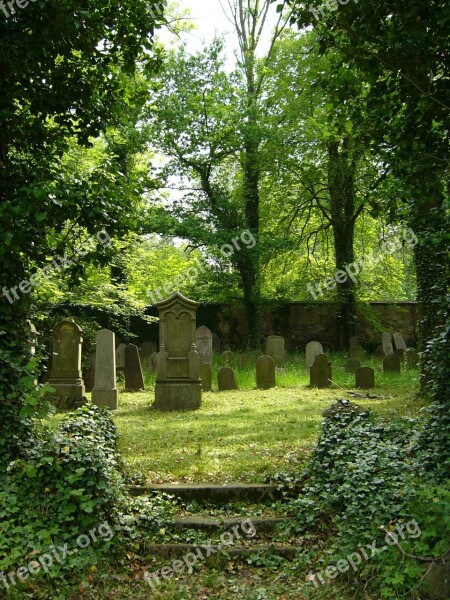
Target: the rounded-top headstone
(204, 343)
(226, 380)
(275, 349)
(365, 378)
(313, 349)
(265, 373)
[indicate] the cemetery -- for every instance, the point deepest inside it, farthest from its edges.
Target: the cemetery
(224, 300)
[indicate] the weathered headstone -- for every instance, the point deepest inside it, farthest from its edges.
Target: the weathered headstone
(120, 357)
(379, 352)
(265, 373)
(134, 380)
(387, 344)
(226, 380)
(178, 384)
(66, 376)
(391, 363)
(105, 392)
(351, 365)
(204, 344)
(89, 380)
(412, 359)
(313, 349)
(357, 352)
(216, 343)
(275, 349)
(153, 362)
(206, 377)
(227, 359)
(321, 372)
(399, 342)
(365, 378)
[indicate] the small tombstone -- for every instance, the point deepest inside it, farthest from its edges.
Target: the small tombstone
(313, 349)
(66, 376)
(216, 343)
(204, 343)
(357, 352)
(387, 344)
(365, 378)
(399, 342)
(391, 363)
(105, 392)
(89, 381)
(134, 380)
(265, 373)
(244, 359)
(352, 365)
(206, 377)
(120, 357)
(275, 349)
(227, 359)
(321, 372)
(379, 352)
(226, 380)
(412, 359)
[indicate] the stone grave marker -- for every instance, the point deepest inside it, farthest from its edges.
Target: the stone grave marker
(226, 380)
(120, 357)
(391, 363)
(352, 365)
(66, 376)
(365, 378)
(178, 385)
(387, 344)
(204, 342)
(399, 342)
(227, 359)
(105, 392)
(265, 373)
(357, 352)
(216, 343)
(134, 380)
(313, 349)
(321, 372)
(412, 359)
(275, 349)
(206, 377)
(153, 362)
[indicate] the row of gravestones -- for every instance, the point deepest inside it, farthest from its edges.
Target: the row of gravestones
(226, 381)
(321, 374)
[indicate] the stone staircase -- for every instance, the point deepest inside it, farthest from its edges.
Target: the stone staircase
(233, 536)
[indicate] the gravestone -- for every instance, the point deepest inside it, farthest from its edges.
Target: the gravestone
(399, 342)
(227, 359)
(146, 350)
(265, 373)
(66, 376)
(321, 372)
(365, 378)
(352, 365)
(105, 392)
(120, 357)
(391, 363)
(412, 359)
(178, 384)
(379, 352)
(275, 349)
(89, 380)
(204, 344)
(153, 362)
(226, 380)
(134, 380)
(313, 349)
(357, 352)
(216, 343)
(387, 344)
(206, 377)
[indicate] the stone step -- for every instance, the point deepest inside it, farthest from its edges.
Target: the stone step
(263, 525)
(205, 551)
(204, 493)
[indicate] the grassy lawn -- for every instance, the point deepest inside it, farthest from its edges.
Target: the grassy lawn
(248, 434)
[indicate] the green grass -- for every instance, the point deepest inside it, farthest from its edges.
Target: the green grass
(248, 434)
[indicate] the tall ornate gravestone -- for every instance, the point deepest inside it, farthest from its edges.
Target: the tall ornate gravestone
(313, 349)
(134, 380)
(365, 378)
(387, 344)
(265, 373)
(321, 372)
(66, 378)
(204, 343)
(206, 377)
(225, 379)
(275, 349)
(178, 384)
(391, 363)
(105, 392)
